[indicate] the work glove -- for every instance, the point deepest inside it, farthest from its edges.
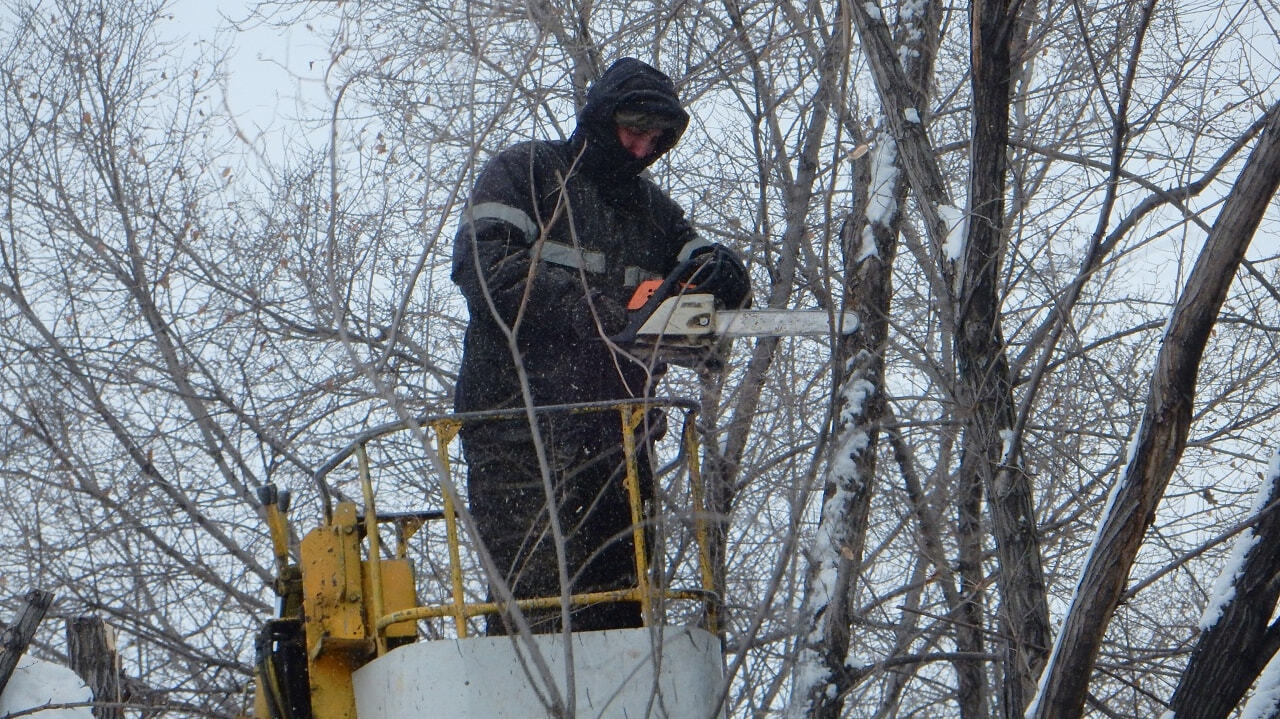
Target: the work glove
(654, 426)
(597, 315)
(716, 270)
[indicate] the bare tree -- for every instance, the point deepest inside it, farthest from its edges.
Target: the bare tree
(1013, 196)
(165, 347)
(1161, 436)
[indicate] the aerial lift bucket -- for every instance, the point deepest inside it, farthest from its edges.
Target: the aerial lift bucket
(346, 643)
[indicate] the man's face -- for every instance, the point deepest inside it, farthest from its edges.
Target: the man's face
(640, 143)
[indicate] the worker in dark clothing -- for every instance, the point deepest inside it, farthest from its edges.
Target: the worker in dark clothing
(553, 241)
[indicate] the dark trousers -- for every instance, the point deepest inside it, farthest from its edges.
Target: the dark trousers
(508, 499)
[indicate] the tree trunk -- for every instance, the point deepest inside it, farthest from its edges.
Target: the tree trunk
(986, 386)
(972, 678)
(899, 101)
(1162, 434)
(903, 100)
(91, 652)
(869, 243)
(1237, 643)
(14, 639)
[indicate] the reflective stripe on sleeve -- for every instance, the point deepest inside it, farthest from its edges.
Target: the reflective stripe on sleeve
(558, 253)
(513, 216)
(633, 276)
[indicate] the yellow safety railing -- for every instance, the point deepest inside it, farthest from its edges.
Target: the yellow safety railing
(445, 430)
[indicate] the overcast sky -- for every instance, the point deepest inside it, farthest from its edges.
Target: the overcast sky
(275, 74)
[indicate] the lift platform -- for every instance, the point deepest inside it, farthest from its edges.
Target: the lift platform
(352, 640)
(663, 672)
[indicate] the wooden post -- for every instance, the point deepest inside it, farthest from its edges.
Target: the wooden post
(14, 639)
(91, 652)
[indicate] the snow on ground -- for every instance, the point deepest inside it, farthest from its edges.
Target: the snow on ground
(36, 683)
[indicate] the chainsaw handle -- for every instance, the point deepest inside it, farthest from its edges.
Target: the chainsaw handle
(647, 298)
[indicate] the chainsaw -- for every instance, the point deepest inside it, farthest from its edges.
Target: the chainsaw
(671, 321)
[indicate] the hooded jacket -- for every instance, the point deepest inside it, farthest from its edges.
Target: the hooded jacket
(550, 229)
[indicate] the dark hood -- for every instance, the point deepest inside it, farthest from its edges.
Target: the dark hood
(632, 84)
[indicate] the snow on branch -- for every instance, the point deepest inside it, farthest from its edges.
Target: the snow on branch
(882, 205)
(813, 676)
(1224, 589)
(1266, 697)
(957, 225)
